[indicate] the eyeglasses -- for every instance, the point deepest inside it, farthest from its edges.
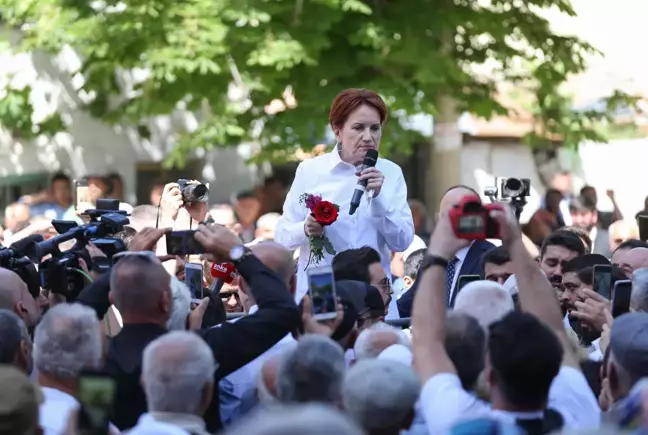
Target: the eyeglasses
(385, 283)
(143, 255)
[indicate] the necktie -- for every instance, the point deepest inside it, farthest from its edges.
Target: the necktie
(450, 273)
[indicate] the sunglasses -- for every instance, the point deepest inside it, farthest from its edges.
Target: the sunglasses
(141, 255)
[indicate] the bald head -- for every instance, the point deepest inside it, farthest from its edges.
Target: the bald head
(276, 258)
(634, 259)
(15, 296)
(453, 196)
(143, 216)
(138, 285)
(12, 289)
(223, 215)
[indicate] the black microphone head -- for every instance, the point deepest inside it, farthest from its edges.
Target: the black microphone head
(370, 158)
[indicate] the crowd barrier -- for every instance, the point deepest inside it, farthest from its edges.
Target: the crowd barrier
(399, 323)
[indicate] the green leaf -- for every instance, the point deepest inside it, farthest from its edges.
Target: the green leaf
(317, 243)
(328, 246)
(267, 71)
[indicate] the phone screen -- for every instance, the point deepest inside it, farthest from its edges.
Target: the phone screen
(194, 280)
(96, 394)
(465, 279)
(183, 243)
(81, 194)
(321, 286)
(602, 280)
(621, 297)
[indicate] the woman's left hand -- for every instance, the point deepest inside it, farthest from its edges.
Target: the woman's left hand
(374, 179)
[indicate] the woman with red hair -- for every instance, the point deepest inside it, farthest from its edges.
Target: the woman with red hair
(383, 220)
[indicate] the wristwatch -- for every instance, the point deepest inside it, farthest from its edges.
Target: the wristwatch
(239, 253)
(432, 260)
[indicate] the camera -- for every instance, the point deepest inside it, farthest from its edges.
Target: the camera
(193, 192)
(62, 272)
(513, 190)
(471, 219)
(515, 187)
(19, 258)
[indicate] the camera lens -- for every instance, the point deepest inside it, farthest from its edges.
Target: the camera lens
(195, 193)
(200, 191)
(514, 187)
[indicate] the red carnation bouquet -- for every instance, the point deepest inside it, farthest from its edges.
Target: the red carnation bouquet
(325, 213)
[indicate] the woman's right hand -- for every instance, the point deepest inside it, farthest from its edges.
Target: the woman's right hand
(312, 228)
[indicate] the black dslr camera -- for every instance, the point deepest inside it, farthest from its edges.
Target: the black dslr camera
(193, 192)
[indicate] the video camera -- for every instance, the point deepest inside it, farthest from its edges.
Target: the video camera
(62, 272)
(20, 258)
(471, 219)
(513, 190)
(193, 192)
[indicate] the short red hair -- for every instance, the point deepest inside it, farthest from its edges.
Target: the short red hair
(347, 101)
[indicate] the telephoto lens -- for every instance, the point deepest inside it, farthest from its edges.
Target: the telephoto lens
(193, 192)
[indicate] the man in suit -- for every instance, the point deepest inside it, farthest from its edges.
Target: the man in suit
(466, 261)
(585, 215)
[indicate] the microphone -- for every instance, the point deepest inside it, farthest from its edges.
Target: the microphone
(223, 273)
(369, 162)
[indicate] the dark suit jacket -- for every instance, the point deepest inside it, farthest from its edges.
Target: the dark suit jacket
(470, 266)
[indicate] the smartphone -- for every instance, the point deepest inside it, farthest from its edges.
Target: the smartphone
(321, 289)
(602, 280)
(82, 195)
(621, 297)
(183, 243)
(465, 279)
(96, 395)
(194, 280)
(642, 223)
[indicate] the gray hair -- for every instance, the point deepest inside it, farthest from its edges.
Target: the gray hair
(639, 295)
(181, 305)
(371, 342)
(268, 221)
(176, 367)
(67, 341)
(486, 301)
(11, 335)
(312, 419)
(380, 394)
(312, 372)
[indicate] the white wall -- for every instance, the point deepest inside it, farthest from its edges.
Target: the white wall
(90, 146)
(620, 165)
(482, 161)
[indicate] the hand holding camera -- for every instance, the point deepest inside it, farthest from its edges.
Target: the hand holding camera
(472, 220)
(190, 194)
(443, 242)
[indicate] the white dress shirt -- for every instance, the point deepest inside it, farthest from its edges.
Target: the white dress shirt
(445, 403)
(236, 390)
(55, 410)
(384, 223)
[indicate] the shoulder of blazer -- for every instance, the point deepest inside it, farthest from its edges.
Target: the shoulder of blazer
(482, 245)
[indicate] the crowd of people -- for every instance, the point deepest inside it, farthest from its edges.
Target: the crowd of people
(528, 348)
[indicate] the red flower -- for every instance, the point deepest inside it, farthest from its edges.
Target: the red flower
(325, 213)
